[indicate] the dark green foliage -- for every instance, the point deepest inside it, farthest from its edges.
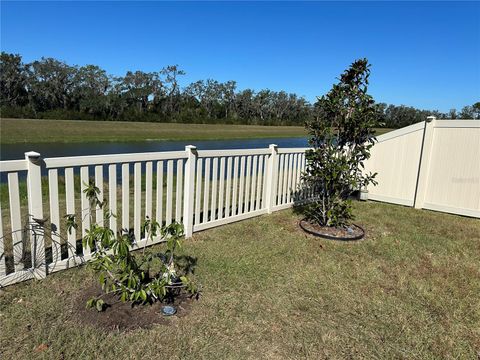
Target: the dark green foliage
(51, 89)
(138, 278)
(341, 135)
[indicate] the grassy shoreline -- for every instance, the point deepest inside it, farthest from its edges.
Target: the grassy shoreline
(17, 131)
(14, 131)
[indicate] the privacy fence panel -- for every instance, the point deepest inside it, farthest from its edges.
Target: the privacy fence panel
(432, 165)
(396, 158)
(450, 177)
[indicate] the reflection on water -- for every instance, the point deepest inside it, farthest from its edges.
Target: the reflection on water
(16, 151)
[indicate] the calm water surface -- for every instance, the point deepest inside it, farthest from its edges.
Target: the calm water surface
(16, 151)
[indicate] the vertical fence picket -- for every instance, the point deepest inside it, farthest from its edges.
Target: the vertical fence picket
(3, 263)
(159, 204)
(289, 181)
(302, 170)
(54, 216)
(298, 185)
(99, 185)
(259, 182)
(247, 183)
(126, 197)
(169, 205)
(137, 200)
(148, 189)
(241, 191)
(228, 190)
(213, 204)
(280, 179)
(84, 204)
(70, 199)
(221, 188)
(15, 220)
(285, 178)
(251, 204)
(198, 191)
(235, 187)
(179, 191)
(206, 191)
(264, 203)
(112, 196)
(294, 178)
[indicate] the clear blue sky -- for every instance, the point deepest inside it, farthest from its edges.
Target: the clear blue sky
(423, 54)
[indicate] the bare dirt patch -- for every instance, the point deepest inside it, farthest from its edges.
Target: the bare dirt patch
(352, 232)
(122, 316)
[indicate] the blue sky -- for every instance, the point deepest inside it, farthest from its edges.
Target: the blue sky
(423, 54)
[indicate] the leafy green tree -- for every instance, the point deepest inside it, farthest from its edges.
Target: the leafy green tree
(467, 112)
(13, 80)
(50, 84)
(341, 136)
(476, 110)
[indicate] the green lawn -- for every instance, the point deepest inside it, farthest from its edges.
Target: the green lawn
(409, 290)
(49, 131)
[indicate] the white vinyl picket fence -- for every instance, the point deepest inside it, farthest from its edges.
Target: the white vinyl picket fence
(201, 189)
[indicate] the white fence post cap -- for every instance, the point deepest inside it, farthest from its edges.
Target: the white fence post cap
(431, 118)
(32, 154)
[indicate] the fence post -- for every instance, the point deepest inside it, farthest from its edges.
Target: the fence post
(272, 178)
(188, 190)
(424, 164)
(35, 211)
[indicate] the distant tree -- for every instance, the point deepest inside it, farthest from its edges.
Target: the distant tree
(13, 80)
(91, 84)
(50, 84)
(476, 110)
(171, 74)
(452, 114)
(466, 112)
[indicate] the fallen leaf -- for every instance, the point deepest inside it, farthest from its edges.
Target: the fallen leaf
(41, 347)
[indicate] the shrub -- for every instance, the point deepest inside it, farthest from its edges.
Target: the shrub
(133, 277)
(341, 135)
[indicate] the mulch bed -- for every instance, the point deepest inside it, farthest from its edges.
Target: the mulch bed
(333, 233)
(121, 316)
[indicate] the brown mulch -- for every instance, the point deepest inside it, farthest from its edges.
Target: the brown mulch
(121, 316)
(341, 233)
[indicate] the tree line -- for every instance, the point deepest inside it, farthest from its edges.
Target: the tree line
(49, 88)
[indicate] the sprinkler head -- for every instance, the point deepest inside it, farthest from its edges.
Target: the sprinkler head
(168, 310)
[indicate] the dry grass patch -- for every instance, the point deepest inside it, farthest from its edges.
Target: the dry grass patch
(409, 290)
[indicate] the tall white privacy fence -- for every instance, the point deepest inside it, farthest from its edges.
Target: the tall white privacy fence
(432, 165)
(201, 188)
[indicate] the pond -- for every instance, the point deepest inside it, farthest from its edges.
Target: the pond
(16, 151)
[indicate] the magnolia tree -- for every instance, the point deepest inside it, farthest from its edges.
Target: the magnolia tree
(341, 136)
